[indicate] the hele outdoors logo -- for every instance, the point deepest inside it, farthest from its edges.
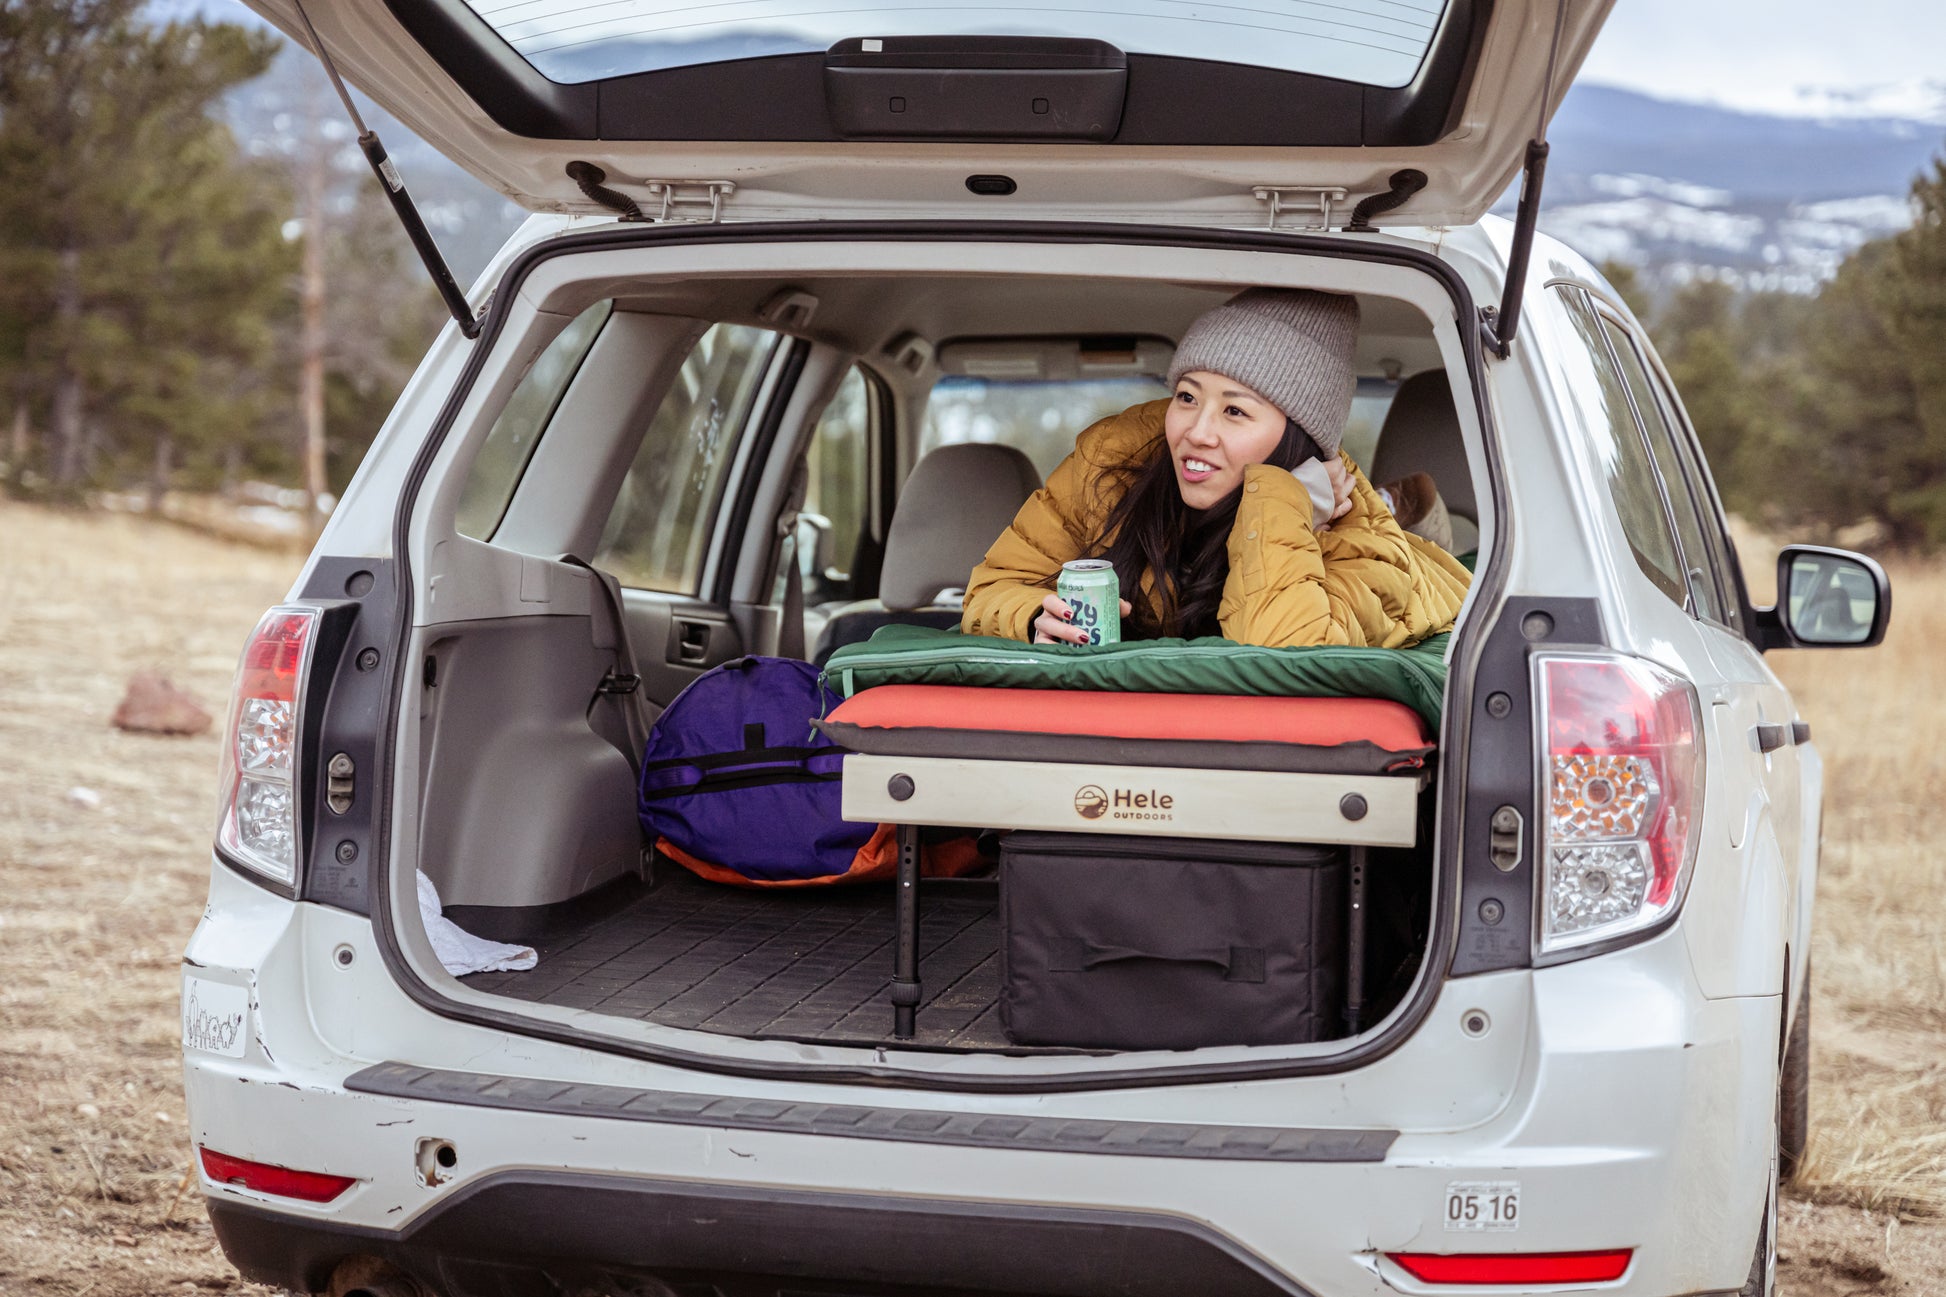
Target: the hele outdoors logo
(1093, 802)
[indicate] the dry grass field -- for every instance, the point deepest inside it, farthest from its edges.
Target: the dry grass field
(97, 902)
(1878, 954)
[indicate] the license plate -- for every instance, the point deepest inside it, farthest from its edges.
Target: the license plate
(1483, 1205)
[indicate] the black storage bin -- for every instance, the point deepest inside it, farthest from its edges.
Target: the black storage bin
(1169, 943)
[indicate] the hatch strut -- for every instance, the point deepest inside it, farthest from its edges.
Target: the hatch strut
(1497, 327)
(388, 175)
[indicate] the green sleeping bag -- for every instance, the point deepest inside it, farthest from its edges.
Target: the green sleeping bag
(922, 655)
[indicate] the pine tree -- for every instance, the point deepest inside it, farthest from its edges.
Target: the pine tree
(140, 253)
(1917, 324)
(1873, 414)
(1626, 280)
(364, 310)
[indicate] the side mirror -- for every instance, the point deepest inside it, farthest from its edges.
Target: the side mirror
(1827, 598)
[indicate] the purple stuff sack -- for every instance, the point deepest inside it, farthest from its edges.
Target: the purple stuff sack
(735, 774)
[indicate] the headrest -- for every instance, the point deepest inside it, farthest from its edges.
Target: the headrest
(1422, 435)
(956, 503)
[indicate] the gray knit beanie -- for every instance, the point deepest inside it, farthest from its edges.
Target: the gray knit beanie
(1292, 346)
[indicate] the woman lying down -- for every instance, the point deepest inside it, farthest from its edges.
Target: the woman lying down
(1228, 508)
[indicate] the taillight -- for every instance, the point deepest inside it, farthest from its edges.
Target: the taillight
(308, 1186)
(1622, 787)
(1516, 1267)
(257, 811)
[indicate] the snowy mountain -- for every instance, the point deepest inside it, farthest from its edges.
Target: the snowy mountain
(1679, 190)
(1691, 190)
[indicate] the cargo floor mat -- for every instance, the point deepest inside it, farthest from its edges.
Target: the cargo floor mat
(809, 964)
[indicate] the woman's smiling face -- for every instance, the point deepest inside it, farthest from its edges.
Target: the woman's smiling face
(1216, 428)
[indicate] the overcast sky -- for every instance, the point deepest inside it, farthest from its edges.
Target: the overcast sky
(1778, 55)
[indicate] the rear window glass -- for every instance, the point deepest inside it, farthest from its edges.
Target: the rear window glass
(511, 441)
(1601, 407)
(659, 532)
(1371, 401)
(1041, 418)
(1662, 446)
(1374, 42)
(838, 490)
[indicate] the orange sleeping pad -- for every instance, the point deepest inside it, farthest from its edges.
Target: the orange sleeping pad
(1202, 731)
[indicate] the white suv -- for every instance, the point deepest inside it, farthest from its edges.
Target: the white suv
(783, 252)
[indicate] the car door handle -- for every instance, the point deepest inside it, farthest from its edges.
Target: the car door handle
(692, 641)
(1770, 735)
(1800, 731)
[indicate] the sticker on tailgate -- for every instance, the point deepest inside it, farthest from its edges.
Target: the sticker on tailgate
(1483, 1205)
(213, 1014)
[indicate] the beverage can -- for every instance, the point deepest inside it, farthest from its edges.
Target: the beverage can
(1091, 589)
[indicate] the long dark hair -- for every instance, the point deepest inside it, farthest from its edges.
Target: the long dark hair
(1151, 530)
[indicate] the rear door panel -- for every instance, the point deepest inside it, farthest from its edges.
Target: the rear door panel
(677, 639)
(667, 534)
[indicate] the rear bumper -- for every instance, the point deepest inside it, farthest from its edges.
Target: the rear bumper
(515, 1233)
(1632, 1111)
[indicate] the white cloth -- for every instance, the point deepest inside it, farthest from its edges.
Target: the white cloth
(1316, 480)
(461, 952)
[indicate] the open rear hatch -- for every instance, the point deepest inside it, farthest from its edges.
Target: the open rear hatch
(1296, 113)
(1302, 115)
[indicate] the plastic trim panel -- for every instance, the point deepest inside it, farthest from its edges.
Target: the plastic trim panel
(516, 1234)
(852, 1121)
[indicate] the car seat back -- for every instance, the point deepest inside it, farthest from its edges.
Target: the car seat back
(1422, 435)
(956, 503)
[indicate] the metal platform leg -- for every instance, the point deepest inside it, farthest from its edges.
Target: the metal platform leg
(905, 969)
(1355, 948)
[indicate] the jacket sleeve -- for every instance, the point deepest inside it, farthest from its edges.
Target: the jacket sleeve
(1276, 594)
(1359, 582)
(1003, 596)
(1400, 588)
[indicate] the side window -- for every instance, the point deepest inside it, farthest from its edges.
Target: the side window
(1704, 587)
(838, 494)
(1601, 402)
(1709, 507)
(658, 534)
(510, 442)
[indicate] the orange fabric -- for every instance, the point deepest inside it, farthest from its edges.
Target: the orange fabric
(876, 862)
(1310, 722)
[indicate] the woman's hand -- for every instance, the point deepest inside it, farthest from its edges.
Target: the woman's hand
(1055, 624)
(1341, 480)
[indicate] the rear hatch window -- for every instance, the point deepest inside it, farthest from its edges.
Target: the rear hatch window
(1371, 42)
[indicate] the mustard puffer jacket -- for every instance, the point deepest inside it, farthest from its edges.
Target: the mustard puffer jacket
(1363, 581)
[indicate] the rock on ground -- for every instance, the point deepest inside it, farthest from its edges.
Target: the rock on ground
(154, 705)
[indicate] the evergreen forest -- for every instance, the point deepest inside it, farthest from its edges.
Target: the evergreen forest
(177, 312)
(173, 311)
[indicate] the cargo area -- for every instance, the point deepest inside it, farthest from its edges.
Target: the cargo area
(788, 468)
(687, 953)
(675, 950)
